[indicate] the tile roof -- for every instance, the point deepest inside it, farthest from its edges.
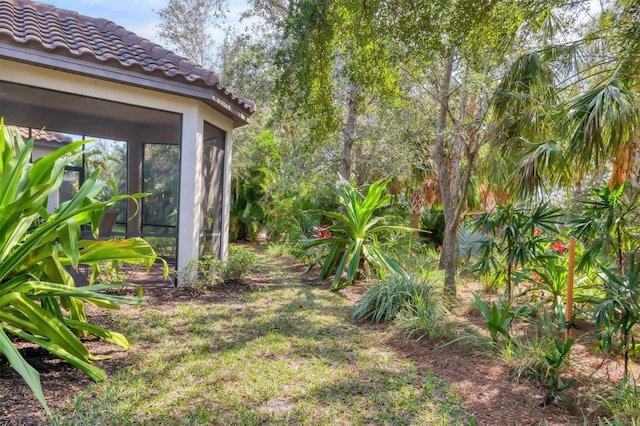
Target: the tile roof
(46, 28)
(44, 135)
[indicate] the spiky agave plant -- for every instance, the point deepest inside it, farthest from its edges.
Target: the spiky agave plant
(39, 301)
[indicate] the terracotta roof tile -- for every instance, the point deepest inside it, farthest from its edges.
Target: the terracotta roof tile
(44, 136)
(44, 27)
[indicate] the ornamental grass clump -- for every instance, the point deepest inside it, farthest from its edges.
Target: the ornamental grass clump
(416, 302)
(423, 315)
(39, 301)
(384, 298)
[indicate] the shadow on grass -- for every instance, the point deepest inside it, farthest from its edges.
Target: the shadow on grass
(287, 354)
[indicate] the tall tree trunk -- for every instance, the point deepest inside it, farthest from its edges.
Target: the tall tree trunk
(455, 154)
(348, 132)
(442, 156)
(360, 171)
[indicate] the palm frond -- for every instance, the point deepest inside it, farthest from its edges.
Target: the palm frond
(600, 122)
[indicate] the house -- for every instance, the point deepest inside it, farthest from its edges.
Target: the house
(79, 75)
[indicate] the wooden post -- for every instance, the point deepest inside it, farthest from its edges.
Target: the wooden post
(569, 310)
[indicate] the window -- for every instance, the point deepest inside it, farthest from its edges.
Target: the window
(160, 171)
(212, 170)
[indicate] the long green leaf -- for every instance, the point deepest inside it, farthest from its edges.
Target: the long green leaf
(50, 327)
(104, 300)
(331, 260)
(13, 173)
(28, 373)
(69, 234)
(109, 336)
(131, 250)
(96, 374)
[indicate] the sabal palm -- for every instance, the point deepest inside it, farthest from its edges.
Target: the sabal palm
(555, 140)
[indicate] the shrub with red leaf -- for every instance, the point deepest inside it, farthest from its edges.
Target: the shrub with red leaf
(559, 247)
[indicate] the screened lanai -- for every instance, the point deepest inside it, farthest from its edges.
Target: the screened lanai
(136, 147)
(162, 124)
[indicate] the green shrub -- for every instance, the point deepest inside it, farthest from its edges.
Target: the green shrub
(239, 261)
(616, 310)
(206, 273)
(39, 301)
(432, 226)
(200, 274)
(248, 194)
(113, 272)
(165, 246)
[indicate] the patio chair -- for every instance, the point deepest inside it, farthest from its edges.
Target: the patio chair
(106, 224)
(104, 229)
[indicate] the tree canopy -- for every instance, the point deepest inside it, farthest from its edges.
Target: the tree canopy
(481, 102)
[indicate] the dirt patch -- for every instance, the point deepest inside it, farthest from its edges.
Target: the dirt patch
(487, 389)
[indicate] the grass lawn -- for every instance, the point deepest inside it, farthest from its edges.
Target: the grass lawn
(286, 354)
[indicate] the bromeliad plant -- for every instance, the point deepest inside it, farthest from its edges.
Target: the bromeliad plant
(549, 273)
(39, 301)
(355, 237)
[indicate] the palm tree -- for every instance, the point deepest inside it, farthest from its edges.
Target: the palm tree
(568, 107)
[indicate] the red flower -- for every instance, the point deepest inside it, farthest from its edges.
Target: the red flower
(537, 232)
(559, 247)
(321, 233)
(535, 276)
(325, 233)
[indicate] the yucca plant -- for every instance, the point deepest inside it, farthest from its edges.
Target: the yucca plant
(39, 301)
(354, 238)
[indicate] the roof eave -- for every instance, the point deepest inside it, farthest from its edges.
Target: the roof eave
(131, 78)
